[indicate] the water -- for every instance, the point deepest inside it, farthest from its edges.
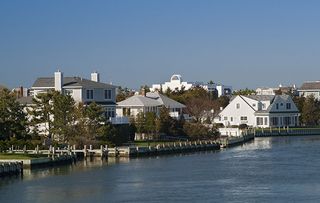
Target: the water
(284, 169)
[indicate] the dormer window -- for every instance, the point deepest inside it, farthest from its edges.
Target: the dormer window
(89, 94)
(288, 105)
(107, 94)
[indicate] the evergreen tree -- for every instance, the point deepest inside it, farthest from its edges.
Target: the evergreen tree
(13, 120)
(310, 111)
(41, 114)
(63, 116)
(140, 122)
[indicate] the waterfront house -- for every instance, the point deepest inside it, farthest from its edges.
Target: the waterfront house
(82, 90)
(310, 88)
(176, 83)
(260, 111)
(149, 102)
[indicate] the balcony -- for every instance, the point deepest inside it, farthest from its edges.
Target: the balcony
(119, 120)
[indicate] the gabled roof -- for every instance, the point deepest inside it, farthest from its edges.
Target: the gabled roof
(151, 99)
(310, 85)
(284, 98)
(48, 82)
(139, 100)
(166, 101)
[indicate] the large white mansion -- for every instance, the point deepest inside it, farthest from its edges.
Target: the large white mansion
(176, 83)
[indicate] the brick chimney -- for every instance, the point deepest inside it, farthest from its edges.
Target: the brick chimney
(58, 81)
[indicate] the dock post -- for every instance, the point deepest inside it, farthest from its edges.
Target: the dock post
(37, 149)
(85, 151)
(101, 150)
(24, 149)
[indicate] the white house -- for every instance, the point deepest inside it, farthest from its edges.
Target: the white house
(310, 88)
(276, 90)
(176, 83)
(260, 111)
(151, 102)
(82, 90)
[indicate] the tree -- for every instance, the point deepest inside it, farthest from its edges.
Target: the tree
(244, 92)
(41, 114)
(96, 119)
(13, 120)
(63, 116)
(150, 123)
(310, 111)
(140, 122)
(196, 131)
(123, 94)
(164, 119)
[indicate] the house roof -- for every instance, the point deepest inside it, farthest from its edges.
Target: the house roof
(151, 99)
(48, 82)
(166, 101)
(261, 97)
(310, 85)
(139, 100)
(277, 98)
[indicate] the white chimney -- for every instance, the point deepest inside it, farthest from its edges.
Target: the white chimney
(95, 76)
(58, 81)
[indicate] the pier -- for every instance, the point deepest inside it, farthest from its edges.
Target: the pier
(273, 132)
(124, 151)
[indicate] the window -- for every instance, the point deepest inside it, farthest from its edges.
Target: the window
(89, 94)
(287, 121)
(107, 94)
(266, 121)
(263, 106)
(109, 113)
(274, 121)
(254, 105)
(288, 105)
(259, 120)
(126, 111)
(225, 118)
(277, 106)
(243, 118)
(231, 119)
(68, 92)
(238, 106)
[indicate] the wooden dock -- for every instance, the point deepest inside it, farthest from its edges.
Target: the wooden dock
(236, 140)
(274, 132)
(124, 151)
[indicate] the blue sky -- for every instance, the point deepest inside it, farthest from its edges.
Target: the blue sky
(243, 43)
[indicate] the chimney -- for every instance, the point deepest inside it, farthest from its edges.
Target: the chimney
(58, 81)
(21, 91)
(95, 76)
(143, 92)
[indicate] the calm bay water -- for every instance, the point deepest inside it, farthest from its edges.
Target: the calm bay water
(284, 169)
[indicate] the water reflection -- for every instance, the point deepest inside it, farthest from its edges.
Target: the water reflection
(281, 169)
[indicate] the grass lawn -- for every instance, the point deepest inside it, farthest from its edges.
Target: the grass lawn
(20, 156)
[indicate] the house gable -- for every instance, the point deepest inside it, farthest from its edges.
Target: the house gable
(236, 112)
